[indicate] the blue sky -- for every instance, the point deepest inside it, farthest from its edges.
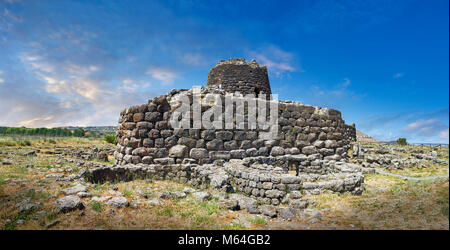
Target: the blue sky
(383, 64)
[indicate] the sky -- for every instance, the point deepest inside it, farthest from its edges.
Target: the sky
(383, 64)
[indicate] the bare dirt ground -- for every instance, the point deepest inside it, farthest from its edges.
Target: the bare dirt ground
(34, 180)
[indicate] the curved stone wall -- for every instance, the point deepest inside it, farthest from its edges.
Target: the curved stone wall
(313, 135)
(236, 75)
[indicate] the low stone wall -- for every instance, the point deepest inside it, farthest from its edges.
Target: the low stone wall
(265, 183)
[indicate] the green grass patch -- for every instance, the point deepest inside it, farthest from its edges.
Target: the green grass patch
(165, 211)
(257, 220)
(21, 216)
(96, 206)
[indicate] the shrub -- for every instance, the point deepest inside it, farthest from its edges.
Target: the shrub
(111, 138)
(402, 141)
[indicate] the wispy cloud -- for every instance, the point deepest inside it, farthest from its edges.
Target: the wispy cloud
(277, 60)
(398, 75)
(430, 127)
(166, 76)
(415, 125)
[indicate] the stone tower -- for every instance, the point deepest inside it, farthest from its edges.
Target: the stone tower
(236, 75)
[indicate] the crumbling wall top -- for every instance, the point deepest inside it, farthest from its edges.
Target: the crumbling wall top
(236, 75)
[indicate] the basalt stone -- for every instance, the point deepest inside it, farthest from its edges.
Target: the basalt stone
(277, 151)
(331, 144)
(194, 133)
(138, 117)
(208, 134)
(144, 125)
(246, 144)
(238, 154)
(153, 116)
(309, 150)
(251, 135)
(189, 142)
(224, 135)
(252, 152)
(200, 143)
(326, 151)
(159, 142)
(263, 151)
(129, 125)
(239, 135)
(178, 151)
(219, 155)
(161, 125)
(258, 143)
(139, 151)
(215, 144)
(147, 160)
(170, 141)
(153, 134)
(230, 145)
(198, 153)
(166, 133)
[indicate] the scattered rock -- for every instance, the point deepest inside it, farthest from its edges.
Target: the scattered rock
(253, 209)
(178, 194)
(286, 213)
(83, 194)
(154, 202)
(118, 202)
(28, 205)
(101, 199)
(312, 213)
(51, 224)
(68, 203)
(269, 211)
(230, 205)
(201, 195)
(188, 190)
(75, 189)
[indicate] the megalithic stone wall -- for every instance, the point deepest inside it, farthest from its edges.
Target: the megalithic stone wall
(313, 134)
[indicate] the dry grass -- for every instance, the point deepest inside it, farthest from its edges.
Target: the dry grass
(391, 203)
(388, 202)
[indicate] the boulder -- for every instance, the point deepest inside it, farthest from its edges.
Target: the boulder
(118, 202)
(68, 203)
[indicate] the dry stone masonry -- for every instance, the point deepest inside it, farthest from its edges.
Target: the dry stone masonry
(312, 141)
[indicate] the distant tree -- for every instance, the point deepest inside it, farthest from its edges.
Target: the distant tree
(78, 132)
(111, 138)
(402, 141)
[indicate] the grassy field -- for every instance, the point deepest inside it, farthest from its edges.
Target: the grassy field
(387, 203)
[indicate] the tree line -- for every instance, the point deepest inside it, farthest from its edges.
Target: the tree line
(42, 131)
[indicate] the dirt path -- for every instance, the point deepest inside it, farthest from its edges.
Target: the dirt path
(413, 178)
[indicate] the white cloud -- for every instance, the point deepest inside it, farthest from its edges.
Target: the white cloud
(398, 75)
(274, 65)
(277, 60)
(1, 80)
(94, 68)
(420, 124)
(444, 134)
(166, 76)
(428, 128)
